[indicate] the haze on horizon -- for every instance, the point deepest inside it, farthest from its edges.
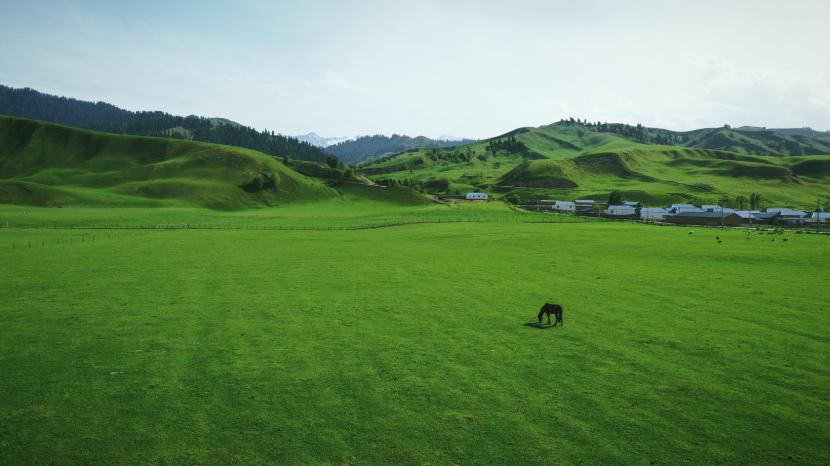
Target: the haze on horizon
(465, 68)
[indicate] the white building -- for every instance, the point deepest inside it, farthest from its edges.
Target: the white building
(653, 214)
(788, 213)
(620, 210)
(476, 196)
(680, 208)
(823, 217)
(563, 206)
(719, 209)
(631, 203)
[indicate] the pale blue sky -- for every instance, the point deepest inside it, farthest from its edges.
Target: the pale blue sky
(465, 68)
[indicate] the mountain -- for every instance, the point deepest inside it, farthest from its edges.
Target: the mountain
(321, 141)
(805, 132)
(367, 148)
(101, 116)
(571, 159)
(53, 165)
(756, 141)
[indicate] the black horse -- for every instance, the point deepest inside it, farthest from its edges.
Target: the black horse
(549, 309)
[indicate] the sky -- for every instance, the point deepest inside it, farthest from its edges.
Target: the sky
(448, 67)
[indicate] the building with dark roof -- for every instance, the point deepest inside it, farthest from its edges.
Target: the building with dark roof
(704, 218)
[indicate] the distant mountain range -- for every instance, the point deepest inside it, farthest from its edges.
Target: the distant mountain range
(805, 132)
(101, 116)
(361, 149)
(367, 148)
(322, 141)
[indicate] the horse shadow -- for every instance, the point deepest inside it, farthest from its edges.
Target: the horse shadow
(538, 326)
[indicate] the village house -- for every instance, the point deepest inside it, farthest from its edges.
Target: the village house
(476, 197)
(703, 218)
(717, 209)
(620, 212)
(788, 214)
(653, 214)
(766, 218)
(822, 217)
(582, 203)
(564, 206)
(680, 208)
(746, 215)
(585, 207)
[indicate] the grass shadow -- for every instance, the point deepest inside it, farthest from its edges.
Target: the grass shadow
(537, 325)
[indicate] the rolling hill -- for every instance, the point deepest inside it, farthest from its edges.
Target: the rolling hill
(101, 116)
(52, 165)
(367, 148)
(571, 159)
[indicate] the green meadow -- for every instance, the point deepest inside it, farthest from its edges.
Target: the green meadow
(171, 302)
(405, 335)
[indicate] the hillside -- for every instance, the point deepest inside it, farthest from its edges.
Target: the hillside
(569, 159)
(101, 116)
(745, 140)
(52, 165)
(368, 148)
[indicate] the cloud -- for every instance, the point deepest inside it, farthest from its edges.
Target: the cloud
(770, 97)
(335, 82)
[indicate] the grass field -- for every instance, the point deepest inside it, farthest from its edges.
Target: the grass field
(407, 344)
(355, 207)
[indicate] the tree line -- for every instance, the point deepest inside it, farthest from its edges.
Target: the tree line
(508, 144)
(101, 116)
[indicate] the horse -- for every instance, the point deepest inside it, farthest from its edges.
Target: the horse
(549, 309)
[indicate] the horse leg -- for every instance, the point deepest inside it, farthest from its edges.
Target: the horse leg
(548, 318)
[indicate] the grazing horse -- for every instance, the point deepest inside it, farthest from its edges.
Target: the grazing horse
(549, 309)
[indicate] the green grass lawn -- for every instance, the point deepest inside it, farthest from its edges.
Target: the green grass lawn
(355, 208)
(410, 344)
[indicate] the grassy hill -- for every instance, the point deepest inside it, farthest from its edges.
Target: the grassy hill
(759, 142)
(51, 165)
(101, 116)
(575, 160)
(367, 148)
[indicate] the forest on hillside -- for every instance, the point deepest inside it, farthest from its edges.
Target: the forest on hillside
(102, 116)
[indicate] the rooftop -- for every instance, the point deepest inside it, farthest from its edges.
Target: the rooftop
(702, 214)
